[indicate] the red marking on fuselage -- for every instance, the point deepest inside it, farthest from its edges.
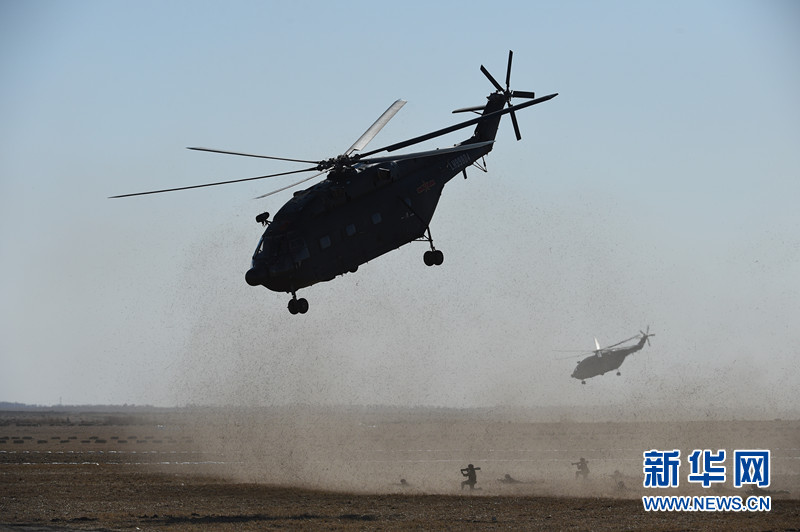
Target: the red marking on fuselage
(426, 186)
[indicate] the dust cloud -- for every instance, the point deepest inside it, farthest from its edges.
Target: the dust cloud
(475, 334)
(405, 372)
(375, 449)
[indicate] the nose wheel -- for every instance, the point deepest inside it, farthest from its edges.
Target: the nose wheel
(298, 306)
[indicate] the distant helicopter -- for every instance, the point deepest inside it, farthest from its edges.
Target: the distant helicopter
(605, 359)
(366, 206)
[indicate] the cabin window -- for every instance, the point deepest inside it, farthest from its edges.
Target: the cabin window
(376, 218)
(350, 230)
(325, 242)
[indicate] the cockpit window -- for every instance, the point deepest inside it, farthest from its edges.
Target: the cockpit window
(259, 247)
(271, 246)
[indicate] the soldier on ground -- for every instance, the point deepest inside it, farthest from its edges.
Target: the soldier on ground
(472, 476)
(583, 468)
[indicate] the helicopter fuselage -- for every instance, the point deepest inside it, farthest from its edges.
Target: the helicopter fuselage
(604, 361)
(367, 205)
(355, 215)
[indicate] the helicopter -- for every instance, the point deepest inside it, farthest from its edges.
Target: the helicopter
(366, 206)
(605, 359)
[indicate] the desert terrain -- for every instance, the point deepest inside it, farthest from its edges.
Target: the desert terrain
(361, 468)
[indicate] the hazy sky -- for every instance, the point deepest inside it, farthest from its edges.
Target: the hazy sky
(660, 187)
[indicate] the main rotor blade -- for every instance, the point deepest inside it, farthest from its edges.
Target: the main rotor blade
(469, 109)
(456, 127)
(508, 70)
(583, 353)
(494, 81)
(622, 342)
(373, 130)
(290, 186)
(212, 184)
(429, 153)
(212, 150)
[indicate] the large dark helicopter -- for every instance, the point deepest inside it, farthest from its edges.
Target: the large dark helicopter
(605, 359)
(366, 206)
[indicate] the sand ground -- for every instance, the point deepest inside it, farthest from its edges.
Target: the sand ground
(314, 468)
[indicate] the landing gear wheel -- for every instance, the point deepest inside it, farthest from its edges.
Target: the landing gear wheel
(583, 382)
(618, 374)
(433, 257)
(298, 306)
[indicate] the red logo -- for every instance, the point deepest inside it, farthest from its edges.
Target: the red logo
(426, 186)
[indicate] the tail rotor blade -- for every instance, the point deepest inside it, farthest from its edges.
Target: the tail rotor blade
(508, 70)
(494, 81)
(514, 121)
(646, 334)
(522, 94)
